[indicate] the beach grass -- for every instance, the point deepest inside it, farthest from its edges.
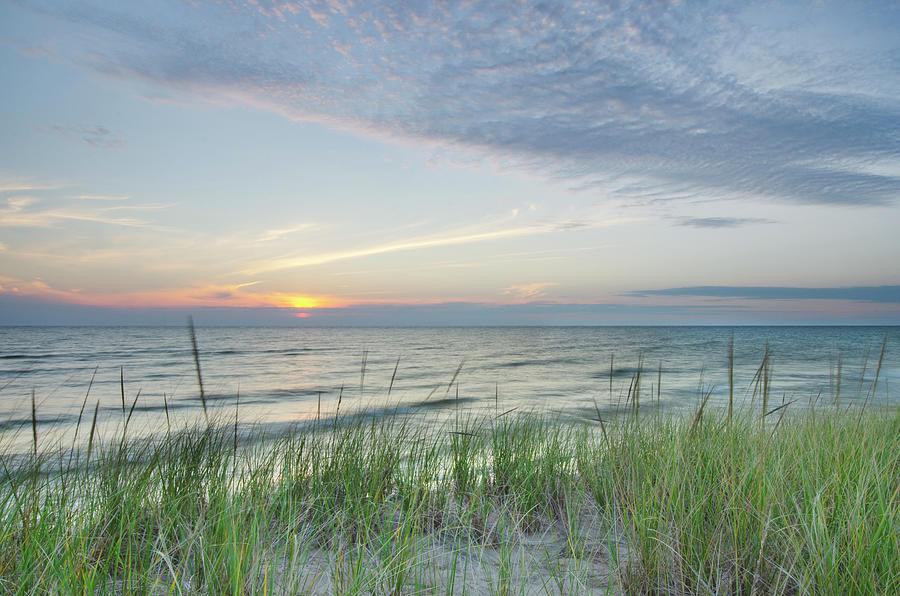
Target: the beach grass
(716, 502)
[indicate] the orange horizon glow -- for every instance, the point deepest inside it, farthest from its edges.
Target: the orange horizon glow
(243, 295)
(304, 301)
(234, 296)
(304, 306)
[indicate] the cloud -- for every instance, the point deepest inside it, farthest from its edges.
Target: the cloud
(649, 102)
(721, 222)
(31, 288)
(16, 186)
(95, 136)
(878, 294)
(564, 226)
(276, 234)
(99, 197)
(454, 237)
(528, 292)
(20, 212)
(18, 204)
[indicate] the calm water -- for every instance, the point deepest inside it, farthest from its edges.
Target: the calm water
(284, 375)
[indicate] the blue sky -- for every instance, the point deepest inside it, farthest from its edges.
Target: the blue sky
(415, 163)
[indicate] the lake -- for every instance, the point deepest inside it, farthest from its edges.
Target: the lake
(289, 376)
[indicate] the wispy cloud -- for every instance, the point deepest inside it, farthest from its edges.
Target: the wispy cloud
(275, 234)
(528, 292)
(23, 212)
(460, 237)
(677, 99)
(99, 197)
(19, 186)
(95, 136)
(33, 287)
(880, 294)
(721, 222)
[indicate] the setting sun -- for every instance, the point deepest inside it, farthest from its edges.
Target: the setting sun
(304, 301)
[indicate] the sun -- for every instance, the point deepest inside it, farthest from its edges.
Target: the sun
(304, 302)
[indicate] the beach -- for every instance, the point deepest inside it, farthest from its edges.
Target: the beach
(763, 494)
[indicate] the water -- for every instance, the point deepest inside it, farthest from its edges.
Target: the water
(284, 376)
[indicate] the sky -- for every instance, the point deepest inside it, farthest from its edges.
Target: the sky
(336, 162)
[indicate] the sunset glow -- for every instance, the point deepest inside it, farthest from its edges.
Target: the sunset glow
(581, 164)
(306, 302)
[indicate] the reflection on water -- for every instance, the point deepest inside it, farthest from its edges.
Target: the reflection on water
(286, 375)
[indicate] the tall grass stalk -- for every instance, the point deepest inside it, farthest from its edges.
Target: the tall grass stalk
(731, 377)
(196, 354)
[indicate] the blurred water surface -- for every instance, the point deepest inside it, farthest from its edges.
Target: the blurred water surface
(284, 376)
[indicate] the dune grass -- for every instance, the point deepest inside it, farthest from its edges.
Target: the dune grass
(512, 505)
(725, 502)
